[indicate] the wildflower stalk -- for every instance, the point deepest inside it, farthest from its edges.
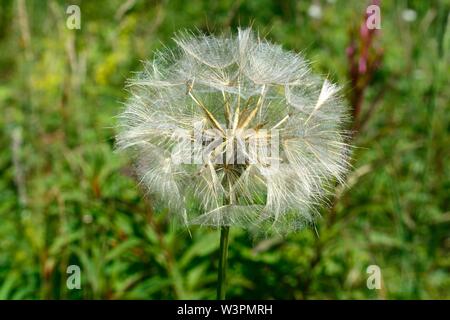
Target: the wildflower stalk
(223, 258)
(222, 273)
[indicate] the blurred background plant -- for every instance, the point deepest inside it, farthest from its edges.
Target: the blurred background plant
(67, 198)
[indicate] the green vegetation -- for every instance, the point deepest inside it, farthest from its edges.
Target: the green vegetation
(67, 198)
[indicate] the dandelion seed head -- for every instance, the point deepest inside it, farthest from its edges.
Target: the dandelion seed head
(244, 90)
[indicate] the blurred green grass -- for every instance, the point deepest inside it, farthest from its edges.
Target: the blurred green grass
(67, 198)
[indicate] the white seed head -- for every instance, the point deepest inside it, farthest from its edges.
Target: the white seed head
(242, 90)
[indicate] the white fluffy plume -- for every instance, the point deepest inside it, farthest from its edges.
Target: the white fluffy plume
(235, 84)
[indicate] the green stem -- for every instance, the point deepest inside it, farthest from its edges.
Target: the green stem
(222, 273)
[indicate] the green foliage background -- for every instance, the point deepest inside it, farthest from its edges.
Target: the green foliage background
(67, 198)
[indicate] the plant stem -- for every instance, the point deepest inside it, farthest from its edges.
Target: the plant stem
(222, 273)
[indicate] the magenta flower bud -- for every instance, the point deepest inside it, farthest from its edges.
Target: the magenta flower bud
(362, 67)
